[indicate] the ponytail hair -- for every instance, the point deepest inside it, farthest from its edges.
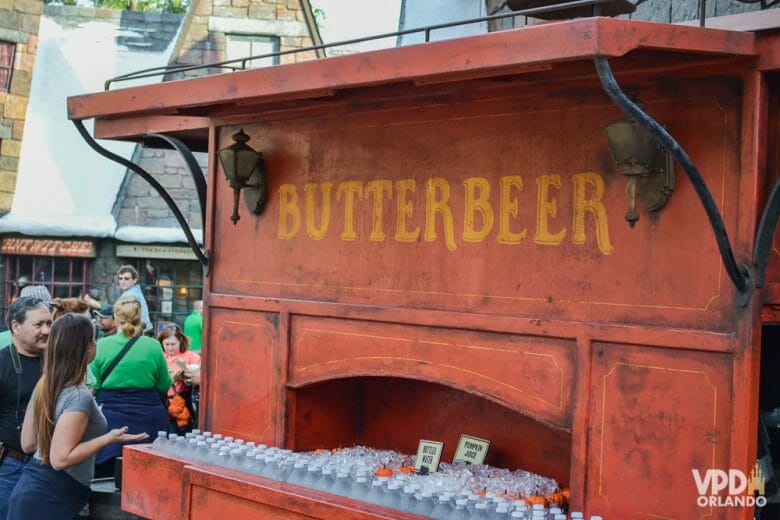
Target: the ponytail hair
(127, 311)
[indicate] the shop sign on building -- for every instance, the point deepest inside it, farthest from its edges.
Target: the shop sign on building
(48, 247)
(154, 251)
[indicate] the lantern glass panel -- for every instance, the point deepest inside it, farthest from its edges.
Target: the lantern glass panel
(227, 158)
(620, 135)
(246, 160)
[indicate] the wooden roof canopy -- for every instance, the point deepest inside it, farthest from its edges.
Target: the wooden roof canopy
(552, 51)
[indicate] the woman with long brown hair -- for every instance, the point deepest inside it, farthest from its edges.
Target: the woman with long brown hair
(64, 427)
(132, 379)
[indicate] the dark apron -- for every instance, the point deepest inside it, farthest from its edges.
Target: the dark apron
(44, 493)
(139, 410)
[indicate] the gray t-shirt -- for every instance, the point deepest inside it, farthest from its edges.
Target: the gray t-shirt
(79, 399)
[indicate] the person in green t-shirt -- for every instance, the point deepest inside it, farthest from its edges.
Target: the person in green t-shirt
(193, 326)
(130, 391)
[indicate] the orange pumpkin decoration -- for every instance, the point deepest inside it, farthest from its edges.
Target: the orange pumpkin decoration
(384, 471)
(336, 450)
(482, 492)
(406, 470)
(537, 499)
(558, 498)
(320, 451)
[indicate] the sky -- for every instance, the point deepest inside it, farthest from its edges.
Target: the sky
(348, 19)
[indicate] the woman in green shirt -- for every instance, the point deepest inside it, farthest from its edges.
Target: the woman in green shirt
(131, 391)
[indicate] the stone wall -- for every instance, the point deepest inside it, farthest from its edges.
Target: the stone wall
(141, 205)
(666, 11)
(19, 20)
(208, 21)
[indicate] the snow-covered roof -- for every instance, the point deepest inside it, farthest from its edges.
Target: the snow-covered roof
(63, 187)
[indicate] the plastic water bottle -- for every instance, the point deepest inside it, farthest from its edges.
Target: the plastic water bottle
(255, 466)
(313, 475)
(327, 479)
(425, 504)
(170, 446)
(560, 516)
(298, 473)
(201, 451)
(376, 494)
(443, 509)
(273, 469)
(596, 517)
(360, 488)
(460, 512)
(408, 500)
(501, 512)
(182, 448)
(577, 515)
(285, 467)
(517, 513)
(480, 511)
(235, 459)
(160, 442)
(342, 484)
(221, 459)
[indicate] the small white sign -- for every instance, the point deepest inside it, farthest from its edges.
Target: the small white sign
(166, 307)
(471, 450)
(154, 251)
(428, 456)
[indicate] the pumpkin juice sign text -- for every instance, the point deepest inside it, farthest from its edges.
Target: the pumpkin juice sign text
(485, 214)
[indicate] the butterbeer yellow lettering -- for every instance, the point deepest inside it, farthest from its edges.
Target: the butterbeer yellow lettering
(547, 207)
(429, 215)
(439, 205)
(317, 233)
(289, 214)
(349, 189)
(477, 195)
(592, 205)
(375, 189)
(509, 209)
(402, 233)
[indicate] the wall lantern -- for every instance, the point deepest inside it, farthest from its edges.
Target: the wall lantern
(648, 166)
(245, 170)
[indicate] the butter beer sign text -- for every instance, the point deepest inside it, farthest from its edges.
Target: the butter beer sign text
(427, 210)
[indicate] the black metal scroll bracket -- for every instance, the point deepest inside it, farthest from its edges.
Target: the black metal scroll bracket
(739, 274)
(202, 255)
(766, 232)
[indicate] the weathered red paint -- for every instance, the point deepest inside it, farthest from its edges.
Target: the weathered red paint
(618, 359)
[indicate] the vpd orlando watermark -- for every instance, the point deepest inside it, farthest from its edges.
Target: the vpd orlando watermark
(730, 488)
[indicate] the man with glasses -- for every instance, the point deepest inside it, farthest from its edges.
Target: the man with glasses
(128, 282)
(21, 363)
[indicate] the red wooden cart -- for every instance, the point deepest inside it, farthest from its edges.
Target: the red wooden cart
(444, 251)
